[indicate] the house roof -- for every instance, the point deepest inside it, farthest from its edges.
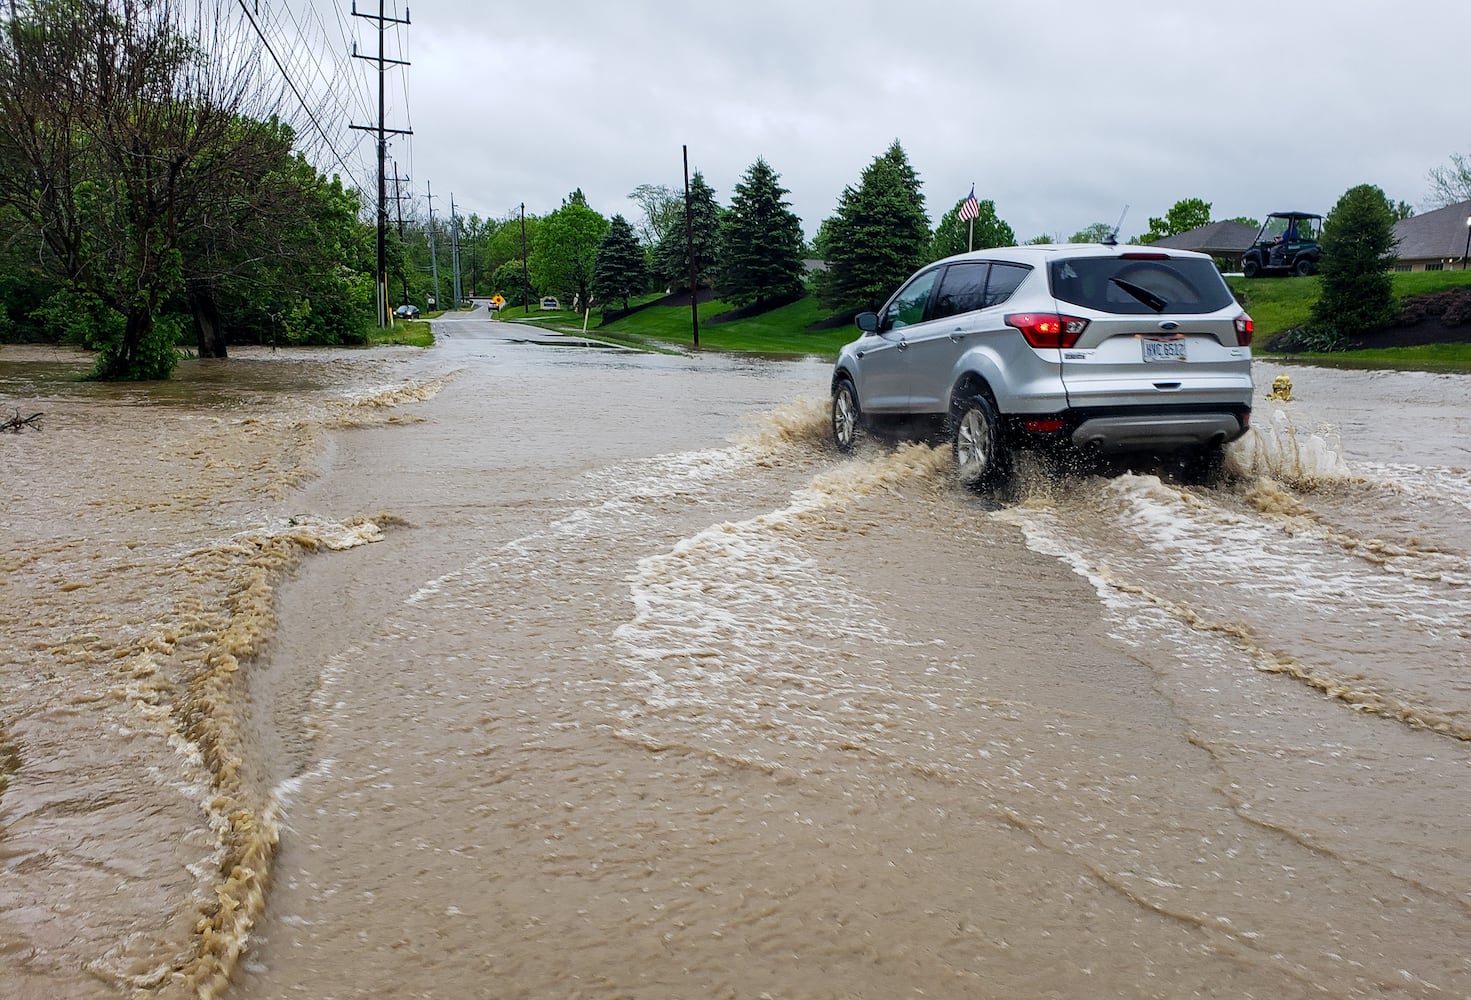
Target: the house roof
(1216, 238)
(1440, 234)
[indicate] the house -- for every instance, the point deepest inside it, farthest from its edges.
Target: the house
(1226, 240)
(1435, 241)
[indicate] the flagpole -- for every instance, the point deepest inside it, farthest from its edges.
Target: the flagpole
(969, 210)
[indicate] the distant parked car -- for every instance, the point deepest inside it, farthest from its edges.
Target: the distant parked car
(407, 311)
(550, 302)
(1093, 348)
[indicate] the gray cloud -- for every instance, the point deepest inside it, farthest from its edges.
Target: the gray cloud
(1062, 112)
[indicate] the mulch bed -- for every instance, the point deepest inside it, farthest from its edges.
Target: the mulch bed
(1437, 318)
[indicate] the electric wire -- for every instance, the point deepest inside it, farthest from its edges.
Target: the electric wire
(304, 106)
(330, 89)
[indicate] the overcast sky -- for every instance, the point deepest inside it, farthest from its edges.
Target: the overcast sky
(1062, 112)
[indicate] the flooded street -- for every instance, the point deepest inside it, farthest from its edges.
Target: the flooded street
(516, 670)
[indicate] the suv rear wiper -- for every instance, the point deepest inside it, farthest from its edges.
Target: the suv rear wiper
(1144, 295)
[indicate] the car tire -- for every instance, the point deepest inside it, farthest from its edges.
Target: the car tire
(847, 418)
(1250, 267)
(982, 457)
(1304, 267)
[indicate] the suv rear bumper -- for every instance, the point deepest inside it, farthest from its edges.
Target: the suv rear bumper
(1107, 430)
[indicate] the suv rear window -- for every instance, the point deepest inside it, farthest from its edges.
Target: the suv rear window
(1181, 284)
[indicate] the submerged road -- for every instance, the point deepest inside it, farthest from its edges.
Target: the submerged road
(599, 673)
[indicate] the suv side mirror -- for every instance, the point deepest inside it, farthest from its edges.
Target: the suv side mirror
(868, 322)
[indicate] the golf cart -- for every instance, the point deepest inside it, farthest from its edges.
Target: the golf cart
(1286, 244)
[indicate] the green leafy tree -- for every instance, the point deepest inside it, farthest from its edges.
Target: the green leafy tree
(507, 282)
(119, 126)
(504, 244)
(878, 237)
(562, 263)
(952, 235)
(475, 266)
(671, 263)
(619, 269)
(1357, 248)
(1096, 233)
(1040, 240)
(275, 247)
(1247, 220)
(761, 244)
(1402, 210)
(1183, 216)
(24, 286)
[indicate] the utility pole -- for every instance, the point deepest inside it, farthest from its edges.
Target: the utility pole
(525, 275)
(689, 236)
(383, 133)
(454, 247)
(398, 205)
(433, 254)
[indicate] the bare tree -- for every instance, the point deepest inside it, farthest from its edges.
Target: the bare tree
(663, 212)
(1451, 183)
(120, 126)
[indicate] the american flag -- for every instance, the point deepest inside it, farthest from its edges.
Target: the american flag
(970, 208)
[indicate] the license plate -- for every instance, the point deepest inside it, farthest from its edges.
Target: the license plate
(1164, 350)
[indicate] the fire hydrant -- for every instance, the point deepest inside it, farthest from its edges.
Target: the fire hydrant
(1281, 389)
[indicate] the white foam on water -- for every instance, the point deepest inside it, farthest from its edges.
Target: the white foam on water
(1361, 623)
(1210, 547)
(1441, 485)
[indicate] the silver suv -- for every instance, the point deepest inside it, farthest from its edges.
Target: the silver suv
(1093, 348)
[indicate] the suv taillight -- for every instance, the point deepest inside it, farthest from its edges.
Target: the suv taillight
(1048, 329)
(1244, 329)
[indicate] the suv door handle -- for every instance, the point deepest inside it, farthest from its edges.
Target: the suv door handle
(903, 345)
(957, 335)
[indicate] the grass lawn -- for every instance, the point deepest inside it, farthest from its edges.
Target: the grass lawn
(406, 332)
(1424, 358)
(1276, 304)
(780, 331)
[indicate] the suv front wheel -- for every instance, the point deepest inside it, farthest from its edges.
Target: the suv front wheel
(982, 458)
(847, 420)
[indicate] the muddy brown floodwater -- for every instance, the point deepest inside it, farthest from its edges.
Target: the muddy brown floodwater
(509, 669)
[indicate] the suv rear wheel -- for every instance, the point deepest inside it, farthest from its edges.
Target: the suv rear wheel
(1206, 466)
(982, 458)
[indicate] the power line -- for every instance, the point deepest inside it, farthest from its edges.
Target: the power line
(292, 84)
(326, 85)
(381, 278)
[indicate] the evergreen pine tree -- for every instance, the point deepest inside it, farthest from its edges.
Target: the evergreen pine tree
(671, 256)
(618, 269)
(879, 237)
(761, 243)
(1357, 250)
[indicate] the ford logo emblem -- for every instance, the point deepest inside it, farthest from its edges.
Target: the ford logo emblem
(1169, 325)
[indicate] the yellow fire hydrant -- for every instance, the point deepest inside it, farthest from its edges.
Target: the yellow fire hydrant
(1281, 389)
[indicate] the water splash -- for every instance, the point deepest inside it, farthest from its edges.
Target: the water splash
(1275, 448)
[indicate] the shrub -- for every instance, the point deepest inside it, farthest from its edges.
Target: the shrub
(1357, 255)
